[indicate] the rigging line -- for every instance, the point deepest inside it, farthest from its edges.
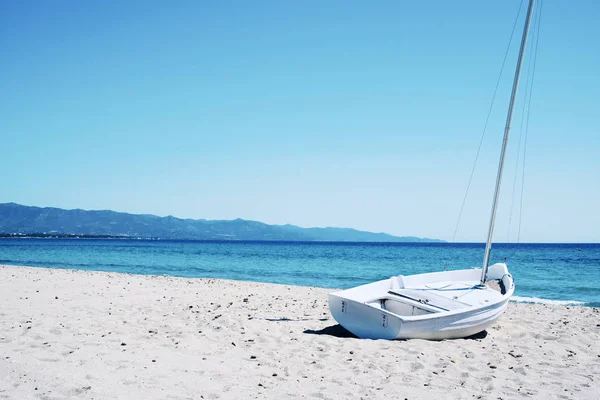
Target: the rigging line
(537, 39)
(512, 201)
(486, 122)
(527, 93)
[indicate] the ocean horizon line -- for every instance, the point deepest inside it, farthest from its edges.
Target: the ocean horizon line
(434, 242)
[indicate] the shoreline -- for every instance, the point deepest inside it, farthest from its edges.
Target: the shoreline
(86, 334)
(514, 299)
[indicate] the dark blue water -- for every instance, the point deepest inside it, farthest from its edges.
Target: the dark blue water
(543, 272)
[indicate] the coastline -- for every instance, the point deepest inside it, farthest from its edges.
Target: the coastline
(319, 264)
(81, 334)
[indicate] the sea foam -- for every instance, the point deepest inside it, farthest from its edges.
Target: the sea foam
(537, 300)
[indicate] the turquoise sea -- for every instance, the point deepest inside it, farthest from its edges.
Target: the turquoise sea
(561, 273)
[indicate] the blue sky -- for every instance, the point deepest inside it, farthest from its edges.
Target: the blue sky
(338, 113)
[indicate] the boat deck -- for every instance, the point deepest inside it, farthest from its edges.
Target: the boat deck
(451, 295)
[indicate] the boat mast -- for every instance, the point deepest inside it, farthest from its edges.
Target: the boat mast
(488, 245)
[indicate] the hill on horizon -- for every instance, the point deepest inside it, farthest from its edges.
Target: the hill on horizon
(17, 218)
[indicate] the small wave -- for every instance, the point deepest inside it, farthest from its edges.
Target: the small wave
(537, 300)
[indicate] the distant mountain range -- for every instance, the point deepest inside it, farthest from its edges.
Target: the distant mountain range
(26, 220)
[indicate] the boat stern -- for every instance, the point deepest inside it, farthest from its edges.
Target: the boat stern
(363, 320)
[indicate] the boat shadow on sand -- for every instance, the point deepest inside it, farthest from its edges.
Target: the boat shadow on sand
(341, 332)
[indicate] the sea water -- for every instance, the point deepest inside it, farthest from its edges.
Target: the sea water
(552, 273)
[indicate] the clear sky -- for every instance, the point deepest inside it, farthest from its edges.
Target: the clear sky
(315, 113)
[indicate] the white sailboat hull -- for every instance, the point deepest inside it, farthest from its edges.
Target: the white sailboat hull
(435, 306)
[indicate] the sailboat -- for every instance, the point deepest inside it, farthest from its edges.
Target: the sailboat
(436, 305)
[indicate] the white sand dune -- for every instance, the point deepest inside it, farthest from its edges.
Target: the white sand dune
(93, 335)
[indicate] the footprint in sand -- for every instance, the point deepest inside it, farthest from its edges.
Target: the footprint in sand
(53, 360)
(416, 366)
(81, 390)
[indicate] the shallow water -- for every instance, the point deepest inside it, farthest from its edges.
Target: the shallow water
(568, 273)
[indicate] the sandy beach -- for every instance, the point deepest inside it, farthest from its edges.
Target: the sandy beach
(95, 335)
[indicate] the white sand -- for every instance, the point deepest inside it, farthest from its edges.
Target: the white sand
(76, 334)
